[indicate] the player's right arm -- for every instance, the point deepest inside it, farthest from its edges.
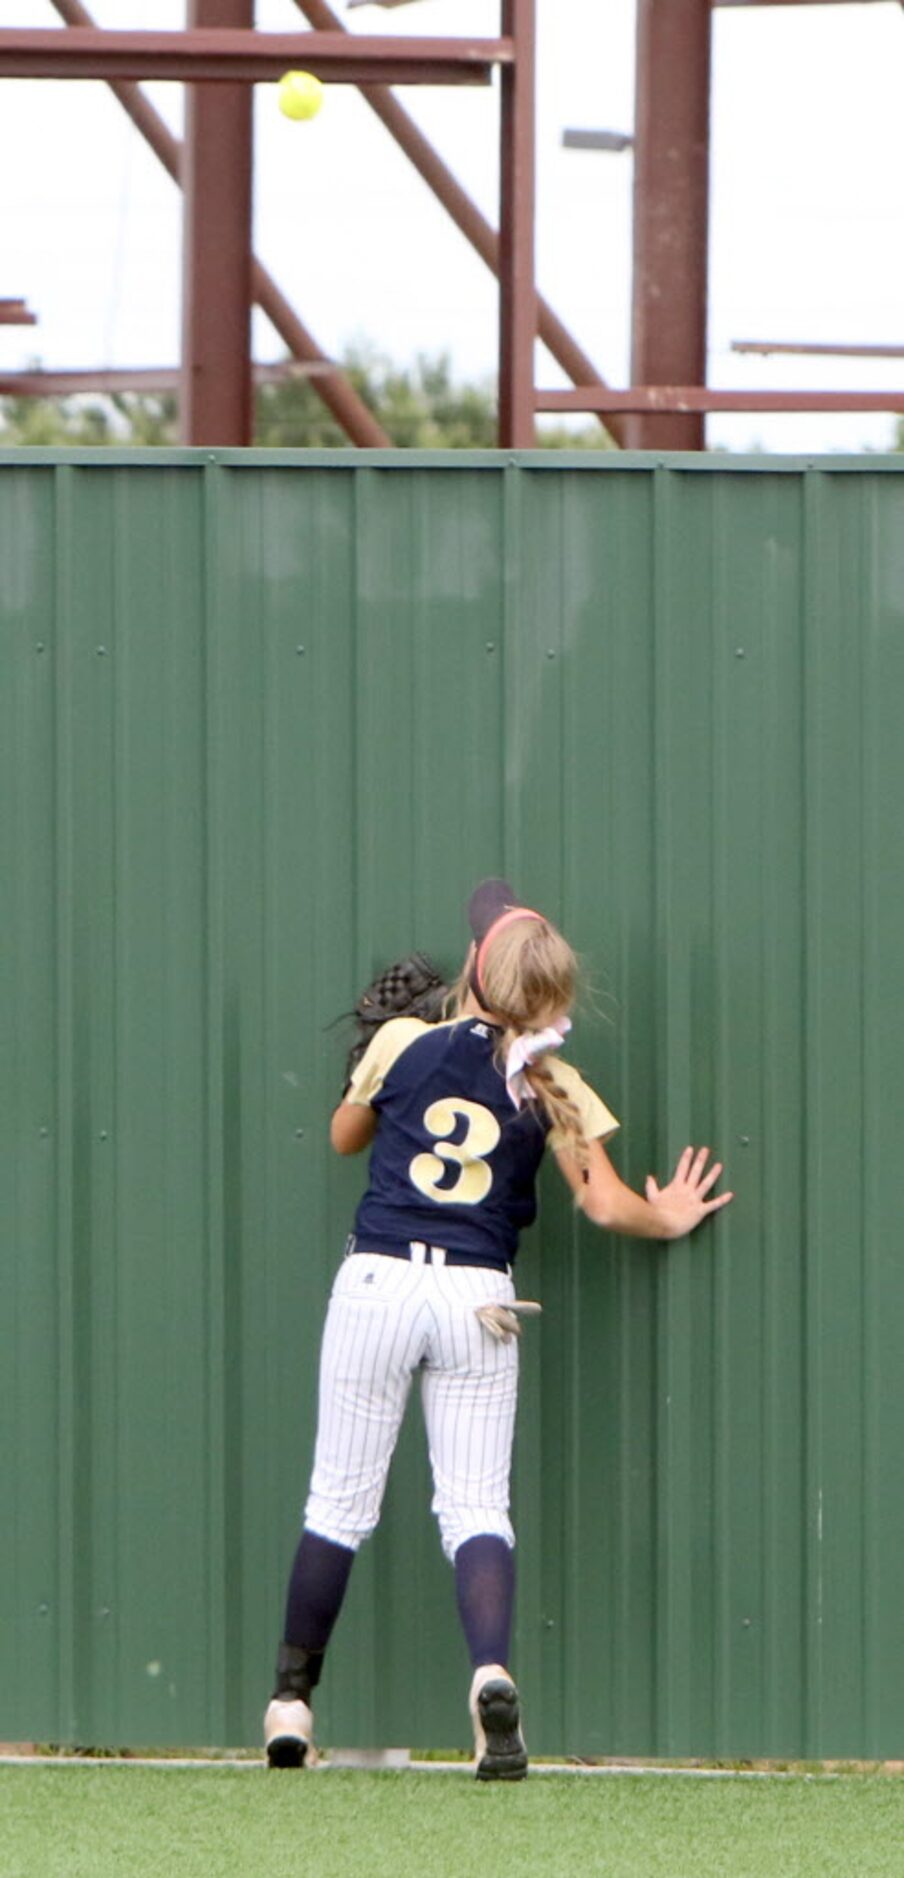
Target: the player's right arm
(668, 1212)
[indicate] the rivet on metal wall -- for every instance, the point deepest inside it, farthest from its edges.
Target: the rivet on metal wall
(744, 1141)
(43, 1610)
(491, 645)
(103, 1135)
(299, 1134)
(550, 653)
(101, 652)
(40, 646)
(740, 653)
(299, 650)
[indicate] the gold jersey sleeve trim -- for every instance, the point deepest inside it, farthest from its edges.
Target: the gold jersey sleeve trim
(597, 1120)
(384, 1049)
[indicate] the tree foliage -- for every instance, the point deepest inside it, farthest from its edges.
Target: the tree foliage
(419, 406)
(89, 419)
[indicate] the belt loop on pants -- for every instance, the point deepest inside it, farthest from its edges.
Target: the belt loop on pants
(424, 1254)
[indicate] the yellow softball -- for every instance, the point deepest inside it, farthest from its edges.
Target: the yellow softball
(300, 95)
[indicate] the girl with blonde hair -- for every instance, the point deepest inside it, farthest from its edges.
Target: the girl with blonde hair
(458, 1116)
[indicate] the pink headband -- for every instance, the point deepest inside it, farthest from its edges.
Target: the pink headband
(505, 919)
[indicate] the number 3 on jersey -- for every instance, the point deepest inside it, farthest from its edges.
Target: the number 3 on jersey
(475, 1178)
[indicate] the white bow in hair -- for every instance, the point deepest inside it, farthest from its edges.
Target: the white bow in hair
(526, 1049)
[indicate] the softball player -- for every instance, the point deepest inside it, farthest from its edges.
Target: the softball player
(459, 1115)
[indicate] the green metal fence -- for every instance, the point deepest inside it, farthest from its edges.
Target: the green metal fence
(264, 721)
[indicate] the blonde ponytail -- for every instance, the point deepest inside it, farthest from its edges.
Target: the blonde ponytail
(528, 978)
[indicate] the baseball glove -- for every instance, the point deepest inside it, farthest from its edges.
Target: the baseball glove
(411, 987)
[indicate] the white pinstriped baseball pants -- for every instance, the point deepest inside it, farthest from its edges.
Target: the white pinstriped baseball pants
(387, 1319)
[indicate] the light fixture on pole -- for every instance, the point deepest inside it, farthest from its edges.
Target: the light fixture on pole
(596, 139)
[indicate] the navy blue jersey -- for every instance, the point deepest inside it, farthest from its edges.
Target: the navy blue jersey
(453, 1161)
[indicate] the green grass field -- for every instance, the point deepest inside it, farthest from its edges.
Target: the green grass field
(91, 1822)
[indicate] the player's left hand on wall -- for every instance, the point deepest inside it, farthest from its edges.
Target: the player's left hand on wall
(682, 1204)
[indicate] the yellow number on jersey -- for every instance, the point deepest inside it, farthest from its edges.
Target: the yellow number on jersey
(475, 1179)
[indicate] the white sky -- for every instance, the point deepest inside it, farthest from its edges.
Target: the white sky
(807, 225)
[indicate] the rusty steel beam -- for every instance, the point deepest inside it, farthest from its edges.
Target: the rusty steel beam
(517, 195)
(215, 403)
(766, 346)
(212, 55)
(671, 209)
(333, 388)
(699, 398)
(165, 378)
(458, 204)
(16, 313)
(137, 380)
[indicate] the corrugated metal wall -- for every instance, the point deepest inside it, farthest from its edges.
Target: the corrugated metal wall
(265, 720)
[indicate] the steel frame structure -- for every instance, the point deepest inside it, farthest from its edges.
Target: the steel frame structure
(220, 54)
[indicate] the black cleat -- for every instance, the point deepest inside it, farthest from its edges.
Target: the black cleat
(501, 1753)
